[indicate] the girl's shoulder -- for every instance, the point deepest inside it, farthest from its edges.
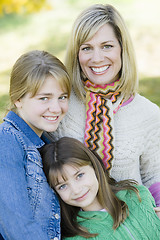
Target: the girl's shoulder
(131, 197)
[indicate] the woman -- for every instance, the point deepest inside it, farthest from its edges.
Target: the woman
(105, 111)
(39, 92)
(93, 204)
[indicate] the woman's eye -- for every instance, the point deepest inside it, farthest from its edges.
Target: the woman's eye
(85, 48)
(107, 46)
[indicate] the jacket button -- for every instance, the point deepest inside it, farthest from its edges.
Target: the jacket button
(57, 217)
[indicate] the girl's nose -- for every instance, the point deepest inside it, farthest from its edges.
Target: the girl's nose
(54, 106)
(76, 188)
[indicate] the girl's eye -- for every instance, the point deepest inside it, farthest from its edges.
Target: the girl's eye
(80, 175)
(62, 187)
(44, 98)
(64, 97)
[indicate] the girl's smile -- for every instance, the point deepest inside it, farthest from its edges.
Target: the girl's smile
(45, 110)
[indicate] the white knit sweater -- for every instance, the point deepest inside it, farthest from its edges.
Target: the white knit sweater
(137, 138)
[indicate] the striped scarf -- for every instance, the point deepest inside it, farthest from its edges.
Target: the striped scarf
(102, 102)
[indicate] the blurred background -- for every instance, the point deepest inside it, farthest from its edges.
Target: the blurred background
(46, 24)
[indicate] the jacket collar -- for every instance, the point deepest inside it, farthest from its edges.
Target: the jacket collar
(23, 127)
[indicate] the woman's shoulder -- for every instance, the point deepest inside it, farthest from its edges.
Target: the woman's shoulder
(139, 109)
(144, 104)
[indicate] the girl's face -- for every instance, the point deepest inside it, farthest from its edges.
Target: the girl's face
(80, 187)
(45, 110)
(100, 57)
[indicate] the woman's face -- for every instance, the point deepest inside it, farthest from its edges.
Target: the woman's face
(100, 57)
(45, 110)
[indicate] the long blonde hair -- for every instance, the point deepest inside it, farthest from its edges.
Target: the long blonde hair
(70, 151)
(84, 28)
(30, 71)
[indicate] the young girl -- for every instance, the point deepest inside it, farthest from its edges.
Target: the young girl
(93, 204)
(39, 92)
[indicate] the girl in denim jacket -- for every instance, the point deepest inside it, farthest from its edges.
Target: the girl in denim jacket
(39, 92)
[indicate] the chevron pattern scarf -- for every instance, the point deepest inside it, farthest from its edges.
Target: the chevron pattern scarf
(102, 102)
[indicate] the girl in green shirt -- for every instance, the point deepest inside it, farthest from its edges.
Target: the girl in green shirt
(94, 205)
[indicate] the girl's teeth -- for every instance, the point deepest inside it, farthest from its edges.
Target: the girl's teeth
(51, 118)
(100, 69)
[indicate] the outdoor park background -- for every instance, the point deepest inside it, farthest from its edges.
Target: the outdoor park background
(49, 30)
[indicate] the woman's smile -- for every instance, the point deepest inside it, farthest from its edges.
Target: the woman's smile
(100, 70)
(100, 57)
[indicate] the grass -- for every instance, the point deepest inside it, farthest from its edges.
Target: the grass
(150, 88)
(49, 30)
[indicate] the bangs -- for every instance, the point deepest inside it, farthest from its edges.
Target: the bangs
(63, 79)
(55, 175)
(36, 81)
(58, 173)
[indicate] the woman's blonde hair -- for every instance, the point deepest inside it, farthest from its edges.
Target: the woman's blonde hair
(84, 28)
(30, 71)
(72, 152)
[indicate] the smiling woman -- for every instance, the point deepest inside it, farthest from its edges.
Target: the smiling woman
(100, 57)
(106, 113)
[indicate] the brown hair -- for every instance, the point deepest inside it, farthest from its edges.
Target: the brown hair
(70, 151)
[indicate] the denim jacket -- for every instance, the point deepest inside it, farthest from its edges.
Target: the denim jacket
(29, 208)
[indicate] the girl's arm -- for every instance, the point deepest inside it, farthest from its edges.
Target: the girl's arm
(16, 217)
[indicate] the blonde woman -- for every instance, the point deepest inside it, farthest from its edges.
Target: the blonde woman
(105, 110)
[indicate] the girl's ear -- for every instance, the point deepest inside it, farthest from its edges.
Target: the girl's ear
(18, 103)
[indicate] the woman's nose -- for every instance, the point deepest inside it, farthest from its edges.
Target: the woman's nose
(97, 55)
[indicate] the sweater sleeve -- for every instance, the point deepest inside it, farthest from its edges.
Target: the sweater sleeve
(155, 191)
(150, 159)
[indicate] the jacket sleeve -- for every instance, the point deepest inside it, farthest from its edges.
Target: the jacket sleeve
(16, 217)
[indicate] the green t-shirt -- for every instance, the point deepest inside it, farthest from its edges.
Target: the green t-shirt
(142, 222)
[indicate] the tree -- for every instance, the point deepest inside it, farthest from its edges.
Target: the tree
(23, 6)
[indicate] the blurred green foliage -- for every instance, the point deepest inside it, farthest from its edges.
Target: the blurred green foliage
(22, 6)
(49, 30)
